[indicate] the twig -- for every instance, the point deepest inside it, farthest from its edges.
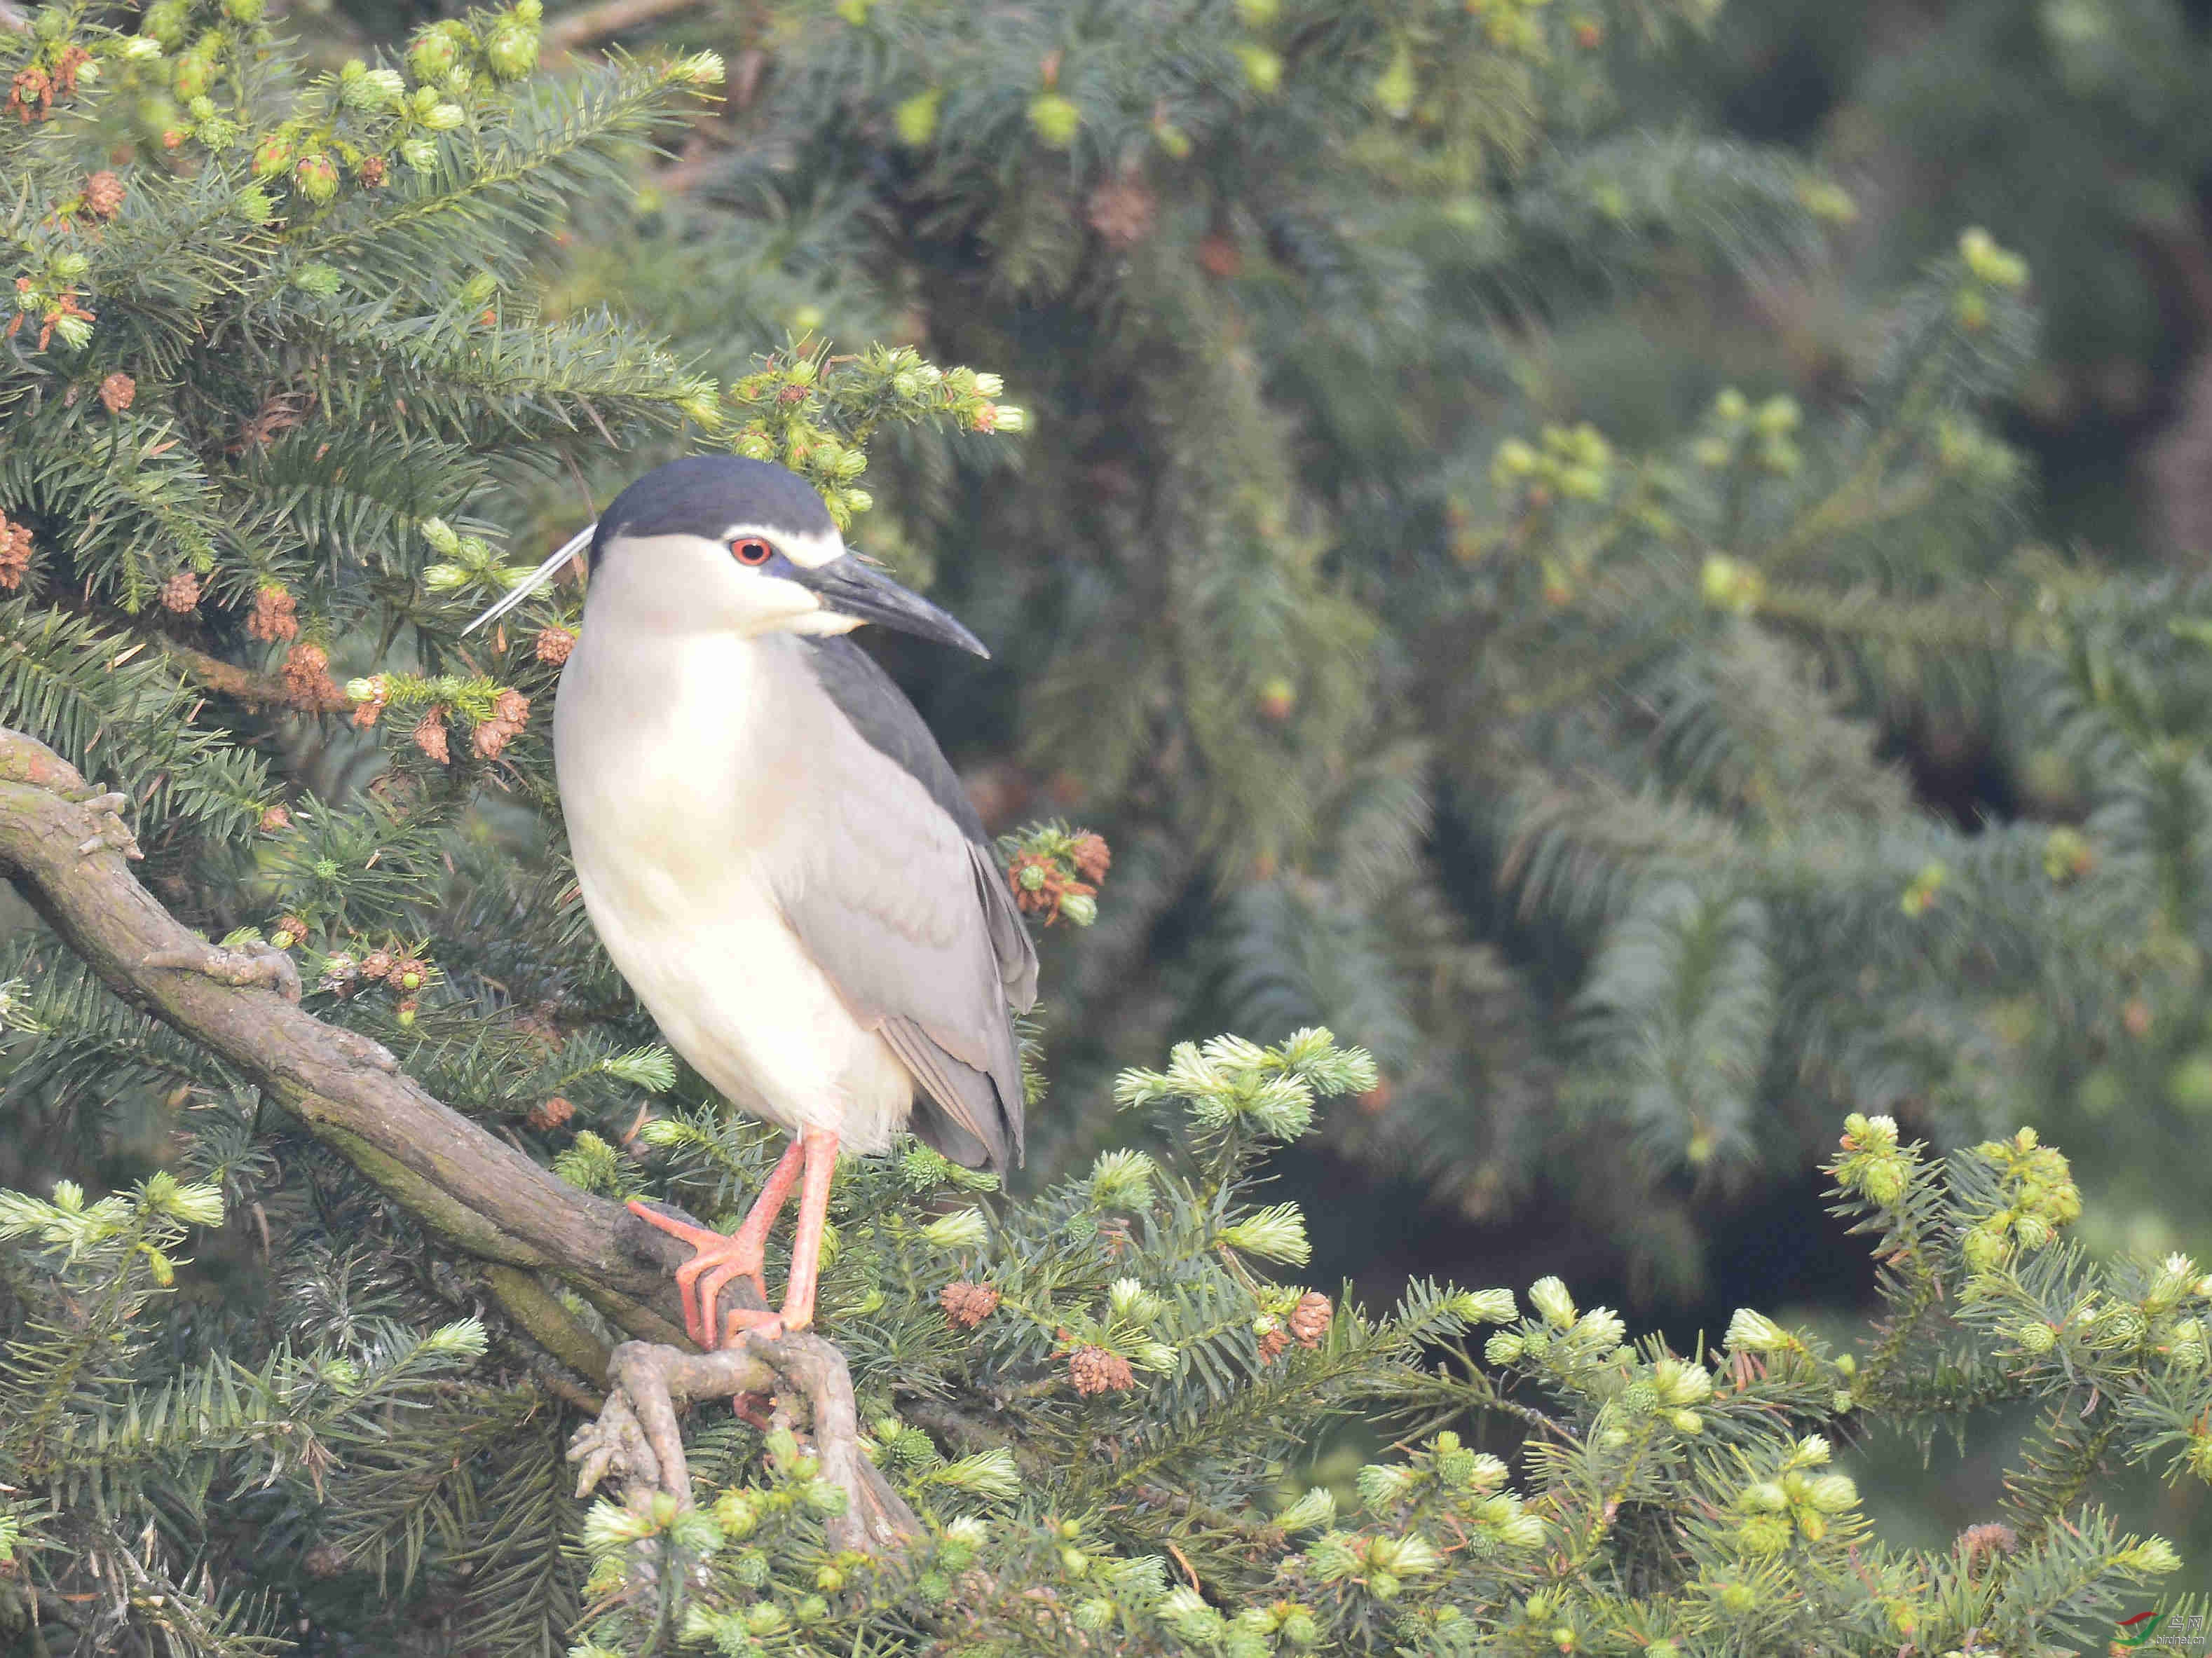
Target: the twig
(257, 963)
(550, 1325)
(636, 1438)
(578, 29)
(259, 689)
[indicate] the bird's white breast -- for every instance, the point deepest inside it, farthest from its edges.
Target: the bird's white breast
(680, 754)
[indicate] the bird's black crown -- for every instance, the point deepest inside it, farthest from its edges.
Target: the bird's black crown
(704, 495)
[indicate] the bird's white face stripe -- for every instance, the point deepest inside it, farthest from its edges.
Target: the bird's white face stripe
(809, 550)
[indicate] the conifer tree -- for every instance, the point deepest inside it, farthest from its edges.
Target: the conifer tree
(319, 1323)
(1539, 734)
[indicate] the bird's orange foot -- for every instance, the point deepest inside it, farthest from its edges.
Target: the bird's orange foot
(699, 1281)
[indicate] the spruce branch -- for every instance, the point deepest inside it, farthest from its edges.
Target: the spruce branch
(255, 689)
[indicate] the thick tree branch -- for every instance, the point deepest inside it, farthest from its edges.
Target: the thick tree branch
(63, 845)
(473, 1189)
(635, 1438)
(590, 23)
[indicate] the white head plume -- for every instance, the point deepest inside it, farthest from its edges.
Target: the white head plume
(536, 579)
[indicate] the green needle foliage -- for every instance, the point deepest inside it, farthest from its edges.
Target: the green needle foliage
(1097, 1400)
(1447, 662)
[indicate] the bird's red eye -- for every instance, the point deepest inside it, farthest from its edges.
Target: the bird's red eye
(751, 550)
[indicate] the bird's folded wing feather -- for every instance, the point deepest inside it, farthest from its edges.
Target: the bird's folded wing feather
(914, 924)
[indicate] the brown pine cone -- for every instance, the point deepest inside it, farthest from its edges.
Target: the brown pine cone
(411, 972)
(1978, 1543)
(275, 615)
(554, 645)
(307, 676)
(1220, 255)
(1309, 1319)
(180, 593)
(430, 736)
(275, 818)
(289, 931)
(489, 739)
(15, 553)
(324, 1561)
(103, 193)
(1094, 1371)
(551, 1113)
(1093, 858)
(371, 170)
(377, 964)
(1271, 1345)
(1122, 210)
(510, 713)
(966, 1305)
(30, 94)
(117, 391)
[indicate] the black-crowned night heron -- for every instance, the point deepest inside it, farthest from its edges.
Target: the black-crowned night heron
(775, 851)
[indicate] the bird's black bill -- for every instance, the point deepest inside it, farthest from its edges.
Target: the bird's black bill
(849, 587)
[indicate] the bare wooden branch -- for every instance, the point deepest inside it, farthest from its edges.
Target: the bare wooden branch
(589, 23)
(636, 1440)
(257, 689)
(58, 844)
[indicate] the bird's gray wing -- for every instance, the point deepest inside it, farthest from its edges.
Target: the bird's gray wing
(907, 911)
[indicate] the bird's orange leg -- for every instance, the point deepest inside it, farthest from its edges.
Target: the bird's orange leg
(820, 1149)
(722, 1257)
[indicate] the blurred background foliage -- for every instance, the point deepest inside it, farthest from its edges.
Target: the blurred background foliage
(1266, 609)
(1544, 549)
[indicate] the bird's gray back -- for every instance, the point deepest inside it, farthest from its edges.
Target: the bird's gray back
(881, 713)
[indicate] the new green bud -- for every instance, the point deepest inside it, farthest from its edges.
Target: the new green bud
(191, 75)
(164, 21)
(316, 177)
(433, 54)
(512, 49)
(1263, 69)
(1549, 1297)
(765, 1620)
(915, 119)
(1055, 119)
(271, 156)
